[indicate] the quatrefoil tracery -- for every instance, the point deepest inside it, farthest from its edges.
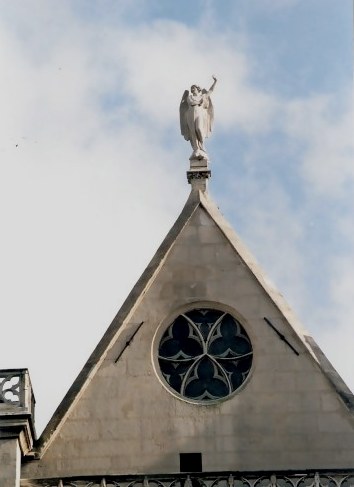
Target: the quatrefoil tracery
(205, 355)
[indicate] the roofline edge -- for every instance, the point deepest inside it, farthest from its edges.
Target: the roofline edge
(73, 394)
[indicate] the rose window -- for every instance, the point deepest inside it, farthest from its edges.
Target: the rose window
(205, 354)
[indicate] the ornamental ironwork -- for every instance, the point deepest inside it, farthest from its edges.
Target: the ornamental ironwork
(205, 355)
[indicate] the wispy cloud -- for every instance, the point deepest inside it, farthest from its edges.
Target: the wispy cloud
(90, 154)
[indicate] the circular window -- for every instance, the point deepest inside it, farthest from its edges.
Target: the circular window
(205, 355)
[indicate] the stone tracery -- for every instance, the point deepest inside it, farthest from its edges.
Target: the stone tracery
(205, 355)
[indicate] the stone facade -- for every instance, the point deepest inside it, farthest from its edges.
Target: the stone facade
(292, 413)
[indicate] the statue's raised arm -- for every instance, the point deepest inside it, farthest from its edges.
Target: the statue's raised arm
(196, 118)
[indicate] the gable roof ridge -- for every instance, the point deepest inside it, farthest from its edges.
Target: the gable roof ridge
(196, 198)
(98, 354)
(279, 301)
(249, 260)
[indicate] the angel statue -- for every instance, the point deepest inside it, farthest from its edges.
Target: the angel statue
(196, 117)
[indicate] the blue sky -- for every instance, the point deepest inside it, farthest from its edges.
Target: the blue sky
(93, 164)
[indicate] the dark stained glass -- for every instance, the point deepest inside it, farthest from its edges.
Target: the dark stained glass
(205, 354)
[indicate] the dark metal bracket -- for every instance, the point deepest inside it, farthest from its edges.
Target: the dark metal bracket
(128, 342)
(280, 335)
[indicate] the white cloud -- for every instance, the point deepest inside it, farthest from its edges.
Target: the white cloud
(162, 60)
(86, 192)
(276, 4)
(328, 162)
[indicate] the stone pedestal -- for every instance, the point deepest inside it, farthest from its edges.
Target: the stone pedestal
(198, 174)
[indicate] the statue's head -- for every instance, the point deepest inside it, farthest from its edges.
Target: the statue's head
(195, 89)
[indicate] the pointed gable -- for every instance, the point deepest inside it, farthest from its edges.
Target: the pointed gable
(120, 416)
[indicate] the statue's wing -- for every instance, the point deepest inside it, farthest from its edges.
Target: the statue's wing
(209, 115)
(183, 109)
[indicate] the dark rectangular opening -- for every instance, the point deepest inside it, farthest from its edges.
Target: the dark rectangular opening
(190, 462)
